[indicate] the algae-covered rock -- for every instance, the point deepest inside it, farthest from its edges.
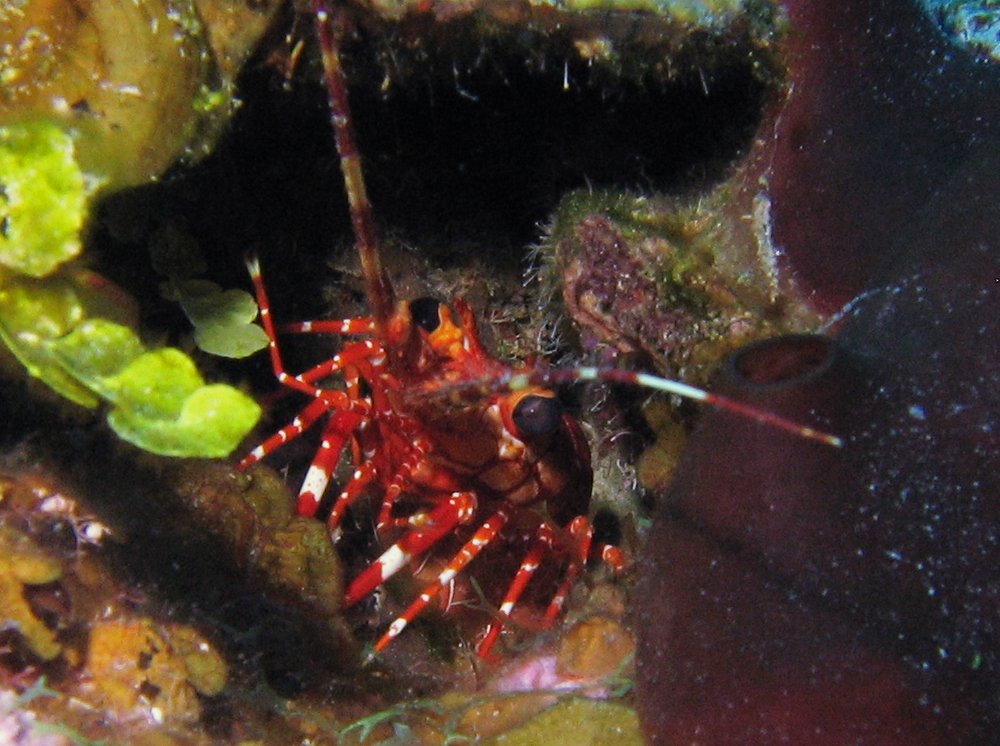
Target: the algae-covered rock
(23, 563)
(138, 665)
(139, 82)
(630, 38)
(658, 276)
(594, 649)
(160, 621)
(251, 515)
(578, 722)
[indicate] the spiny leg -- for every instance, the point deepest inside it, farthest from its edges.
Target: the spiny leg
(352, 355)
(581, 535)
(418, 449)
(339, 428)
(302, 422)
(264, 303)
(337, 431)
(613, 557)
(581, 532)
(360, 479)
(429, 528)
(348, 409)
(350, 402)
(485, 534)
(360, 325)
(335, 399)
(544, 543)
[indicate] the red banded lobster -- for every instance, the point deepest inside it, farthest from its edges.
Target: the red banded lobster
(440, 427)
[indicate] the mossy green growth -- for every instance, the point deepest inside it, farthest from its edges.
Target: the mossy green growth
(701, 12)
(684, 226)
(67, 326)
(637, 216)
(43, 197)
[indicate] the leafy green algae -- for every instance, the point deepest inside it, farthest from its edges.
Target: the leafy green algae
(222, 319)
(159, 400)
(33, 313)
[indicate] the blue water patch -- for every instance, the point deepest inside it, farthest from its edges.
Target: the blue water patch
(972, 24)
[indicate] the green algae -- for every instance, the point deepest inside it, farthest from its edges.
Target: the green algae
(105, 98)
(34, 313)
(159, 400)
(43, 198)
(222, 318)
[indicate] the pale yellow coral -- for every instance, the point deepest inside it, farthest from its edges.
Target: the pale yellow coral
(23, 563)
(142, 670)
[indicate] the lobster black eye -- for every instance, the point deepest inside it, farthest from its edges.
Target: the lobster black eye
(537, 415)
(425, 313)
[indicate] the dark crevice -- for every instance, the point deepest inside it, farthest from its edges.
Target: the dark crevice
(467, 149)
(472, 151)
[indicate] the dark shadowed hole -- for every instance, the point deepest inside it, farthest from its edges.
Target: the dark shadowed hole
(607, 528)
(468, 144)
(480, 150)
(783, 359)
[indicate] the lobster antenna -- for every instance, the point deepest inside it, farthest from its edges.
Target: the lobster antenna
(331, 27)
(552, 376)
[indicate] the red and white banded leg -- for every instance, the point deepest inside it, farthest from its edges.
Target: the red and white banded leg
(418, 449)
(581, 535)
(302, 422)
(544, 543)
(360, 479)
(339, 428)
(299, 383)
(352, 356)
(360, 325)
(429, 528)
(613, 557)
(485, 534)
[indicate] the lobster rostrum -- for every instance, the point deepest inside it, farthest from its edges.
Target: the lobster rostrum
(454, 441)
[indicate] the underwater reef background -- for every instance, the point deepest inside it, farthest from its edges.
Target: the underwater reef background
(793, 203)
